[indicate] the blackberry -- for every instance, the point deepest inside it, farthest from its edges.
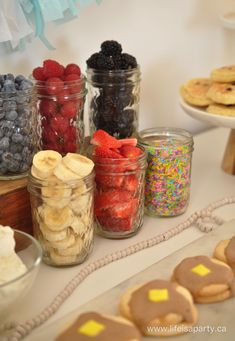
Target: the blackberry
(92, 61)
(105, 62)
(111, 48)
(128, 61)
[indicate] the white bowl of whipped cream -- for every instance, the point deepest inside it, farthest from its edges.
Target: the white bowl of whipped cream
(20, 257)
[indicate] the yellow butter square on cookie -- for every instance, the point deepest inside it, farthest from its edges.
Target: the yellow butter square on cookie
(158, 295)
(91, 328)
(201, 270)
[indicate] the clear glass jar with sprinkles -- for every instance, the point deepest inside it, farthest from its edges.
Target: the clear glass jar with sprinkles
(168, 175)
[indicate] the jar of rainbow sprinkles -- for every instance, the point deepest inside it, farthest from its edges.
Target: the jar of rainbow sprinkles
(168, 175)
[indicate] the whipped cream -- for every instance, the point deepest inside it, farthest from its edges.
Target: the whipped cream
(11, 266)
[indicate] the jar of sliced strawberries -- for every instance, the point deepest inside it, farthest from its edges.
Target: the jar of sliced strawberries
(120, 178)
(60, 106)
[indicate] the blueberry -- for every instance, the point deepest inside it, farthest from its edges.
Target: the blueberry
(15, 148)
(11, 115)
(24, 166)
(21, 122)
(3, 168)
(9, 105)
(4, 143)
(25, 85)
(7, 127)
(9, 86)
(2, 114)
(18, 156)
(1, 134)
(21, 98)
(10, 76)
(17, 138)
(20, 78)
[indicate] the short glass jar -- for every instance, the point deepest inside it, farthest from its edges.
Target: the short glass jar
(60, 115)
(168, 174)
(62, 215)
(17, 132)
(113, 101)
(119, 195)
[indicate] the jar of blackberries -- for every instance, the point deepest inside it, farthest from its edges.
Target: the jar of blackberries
(17, 122)
(60, 107)
(113, 91)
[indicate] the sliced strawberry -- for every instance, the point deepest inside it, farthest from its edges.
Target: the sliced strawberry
(115, 224)
(103, 139)
(129, 142)
(105, 152)
(130, 183)
(124, 209)
(108, 199)
(109, 181)
(130, 152)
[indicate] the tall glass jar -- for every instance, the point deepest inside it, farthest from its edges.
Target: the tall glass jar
(60, 115)
(119, 195)
(62, 215)
(113, 101)
(17, 132)
(168, 175)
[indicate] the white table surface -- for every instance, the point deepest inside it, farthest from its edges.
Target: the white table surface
(209, 183)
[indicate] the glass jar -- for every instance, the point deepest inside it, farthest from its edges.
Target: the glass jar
(60, 115)
(17, 133)
(62, 215)
(113, 101)
(168, 174)
(119, 195)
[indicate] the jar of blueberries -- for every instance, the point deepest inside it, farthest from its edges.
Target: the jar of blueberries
(17, 122)
(113, 91)
(61, 95)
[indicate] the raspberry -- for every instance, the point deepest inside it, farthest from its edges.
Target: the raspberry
(38, 74)
(49, 136)
(74, 86)
(70, 134)
(47, 107)
(72, 69)
(62, 96)
(60, 124)
(70, 147)
(52, 69)
(54, 85)
(69, 109)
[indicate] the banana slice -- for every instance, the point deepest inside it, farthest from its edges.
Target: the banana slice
(65, 174)
(45, 162)
(88, 239)
(52, 236)
(64, 243)
(81, 203)
(79, 164)
(35, 173)
(78, 226)
(73, 250)
(57, 219)
(79, 189)
(57, 259)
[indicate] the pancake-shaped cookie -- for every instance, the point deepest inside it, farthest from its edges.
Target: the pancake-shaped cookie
(225, 251)
(195, 91)
(208, 279)
(96, 327)
(159, 308)
(222, 93)
(221, 109)
(224, 74)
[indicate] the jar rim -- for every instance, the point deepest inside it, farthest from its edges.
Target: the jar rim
(36, 182)
(113, 72)
(184, 136)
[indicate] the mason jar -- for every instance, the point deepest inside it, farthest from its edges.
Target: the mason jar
(168, 174)
(119, 196)
(60, 115)
(113, 101)
(17, 132)
(62, 215)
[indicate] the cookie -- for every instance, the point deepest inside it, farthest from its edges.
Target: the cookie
(195, 91)
(224, 74)
(222, 93)
(159, 308)
(220, 109)
(225, 251)
(98, 327)
(208, 279)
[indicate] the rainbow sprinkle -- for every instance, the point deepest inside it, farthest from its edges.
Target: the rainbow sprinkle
(168, 176)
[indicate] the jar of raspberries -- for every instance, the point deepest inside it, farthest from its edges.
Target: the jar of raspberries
(120, 178)
(113, 91)
(61, 95)
(17, 122)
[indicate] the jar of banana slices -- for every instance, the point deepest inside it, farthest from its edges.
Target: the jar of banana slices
(61, 195)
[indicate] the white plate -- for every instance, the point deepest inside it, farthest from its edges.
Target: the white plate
(202, 115)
